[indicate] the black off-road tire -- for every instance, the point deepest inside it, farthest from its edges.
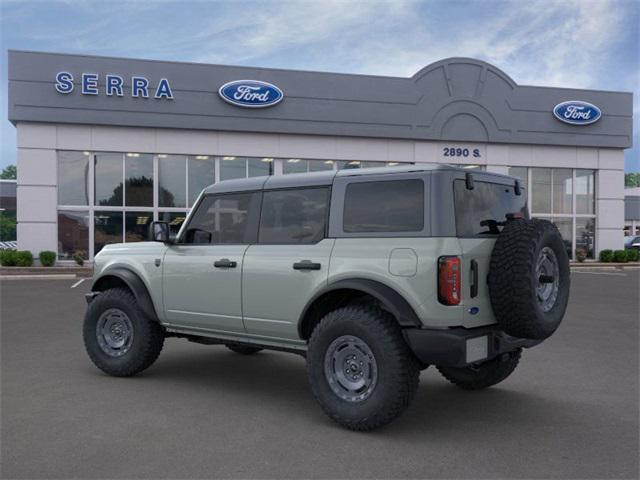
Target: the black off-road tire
(484, 375)
(147, 340)
(397, 369)
(243, 349)
(513, 280)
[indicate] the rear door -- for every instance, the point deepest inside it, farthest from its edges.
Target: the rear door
(289, 262)
(480, 213)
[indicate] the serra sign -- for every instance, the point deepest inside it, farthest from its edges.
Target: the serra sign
(113, 85)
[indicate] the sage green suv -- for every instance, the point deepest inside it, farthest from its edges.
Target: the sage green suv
(370, 274)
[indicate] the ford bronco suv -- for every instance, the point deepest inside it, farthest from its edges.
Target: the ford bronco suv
(371, 274)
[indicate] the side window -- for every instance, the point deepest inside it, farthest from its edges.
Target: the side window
(384, 206)
(223, 219)
(482, 210)
(294, 215)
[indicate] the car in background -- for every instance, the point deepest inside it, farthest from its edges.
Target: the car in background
(631, 242)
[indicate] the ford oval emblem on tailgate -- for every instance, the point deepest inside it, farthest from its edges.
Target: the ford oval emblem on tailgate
(251, 93)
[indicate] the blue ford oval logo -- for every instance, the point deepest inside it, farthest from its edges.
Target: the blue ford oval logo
(577, 112)
(251, 93)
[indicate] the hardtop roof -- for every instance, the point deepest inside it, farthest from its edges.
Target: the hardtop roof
(313, 179)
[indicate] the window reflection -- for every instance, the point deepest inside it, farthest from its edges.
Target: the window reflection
(108, 179)
(259, 167)
(562, 190)
(541, 190)
(137, 226)
(174, 219)
(172, 191)
(108, 229)
(73, 234)
(585, 235)
(201, 175)
(73, 178)
(233, 167)
(138, 169)
(585, 192)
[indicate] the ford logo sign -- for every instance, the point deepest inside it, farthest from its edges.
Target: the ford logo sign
(250, 93)
(577, 112)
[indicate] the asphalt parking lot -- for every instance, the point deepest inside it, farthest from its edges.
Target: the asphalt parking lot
(569, 411)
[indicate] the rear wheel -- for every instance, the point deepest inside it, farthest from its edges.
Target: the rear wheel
(118, 337)
(483, 375)
(360, 368)
(242, 349)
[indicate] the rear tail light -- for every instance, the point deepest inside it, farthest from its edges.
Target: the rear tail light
(449, 280)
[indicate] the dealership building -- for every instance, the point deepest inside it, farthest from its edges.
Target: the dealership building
(106, 145)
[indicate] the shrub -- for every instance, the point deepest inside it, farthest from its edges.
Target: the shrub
(606, 256)
(620, 256)
(8, 258)
(24, 258)
(581, 254)
(633, 255)
(47, 258)
(79, 256)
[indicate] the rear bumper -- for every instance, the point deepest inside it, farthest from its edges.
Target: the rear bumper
(459, 347)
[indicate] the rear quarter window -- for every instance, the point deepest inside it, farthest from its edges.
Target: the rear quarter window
(481, 211)
(384, 206)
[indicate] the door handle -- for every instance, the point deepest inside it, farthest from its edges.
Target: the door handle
(306, 265)
(474, 279)
(225, 263)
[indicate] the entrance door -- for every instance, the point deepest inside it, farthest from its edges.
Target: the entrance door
(202, 273)
(289, 263)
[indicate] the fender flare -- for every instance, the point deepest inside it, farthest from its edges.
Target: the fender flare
(135, 284)
(391, 300)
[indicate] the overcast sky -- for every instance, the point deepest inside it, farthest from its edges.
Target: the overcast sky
(565, 43)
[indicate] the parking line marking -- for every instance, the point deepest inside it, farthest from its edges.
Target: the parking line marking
(602, 273)
(78, 283)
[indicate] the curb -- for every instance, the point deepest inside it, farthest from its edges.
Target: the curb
(51, 276)
(605, 266)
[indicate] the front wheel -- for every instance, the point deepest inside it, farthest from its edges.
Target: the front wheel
(118, 337)
(483, 375)
(360, 368)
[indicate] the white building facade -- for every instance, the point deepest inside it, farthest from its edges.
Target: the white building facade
(97, 168)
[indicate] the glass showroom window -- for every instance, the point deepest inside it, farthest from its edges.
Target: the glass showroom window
(566, 197)
(243, 167)
(297, 165)
(73, 234)
(172, 179)
(138, 173)
(201, 173)
(107, 228)
(73, 178)
(108, 175)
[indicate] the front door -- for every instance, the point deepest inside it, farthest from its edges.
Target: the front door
(202, 272)
(288, 264)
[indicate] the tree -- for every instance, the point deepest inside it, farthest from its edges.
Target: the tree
(9, 173)
(632, 180)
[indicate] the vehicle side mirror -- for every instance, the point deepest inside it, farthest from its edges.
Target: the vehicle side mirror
(160, 232)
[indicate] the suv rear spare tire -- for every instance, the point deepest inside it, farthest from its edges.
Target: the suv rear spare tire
(529, 278)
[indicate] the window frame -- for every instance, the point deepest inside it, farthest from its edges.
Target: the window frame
(524, 193)
(253, 218)
(325, 232)
(340, 184)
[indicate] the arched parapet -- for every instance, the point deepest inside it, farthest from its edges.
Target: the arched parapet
(462, 77)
